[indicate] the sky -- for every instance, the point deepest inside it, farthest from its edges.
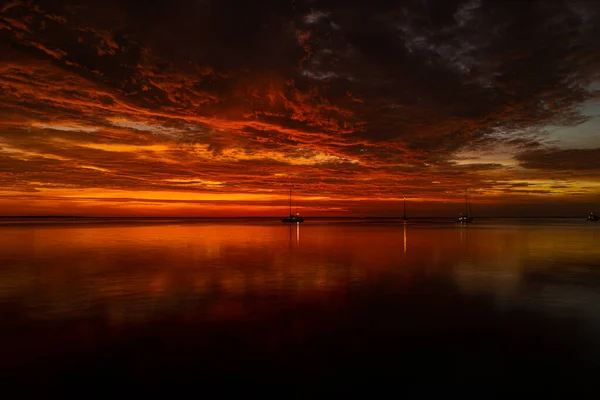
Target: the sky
(218, 108)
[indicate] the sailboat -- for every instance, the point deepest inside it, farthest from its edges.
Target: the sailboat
(292, 218)
(466, 219)
(405, 217)
(593, 217)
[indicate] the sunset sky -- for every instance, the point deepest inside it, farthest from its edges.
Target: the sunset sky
(217, 108)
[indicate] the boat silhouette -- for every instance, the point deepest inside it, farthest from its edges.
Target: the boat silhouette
(292, 218)
(466, 218)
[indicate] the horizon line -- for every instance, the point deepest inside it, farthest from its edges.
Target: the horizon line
(269, 217)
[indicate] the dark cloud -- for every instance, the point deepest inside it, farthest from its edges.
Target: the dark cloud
(561, 160)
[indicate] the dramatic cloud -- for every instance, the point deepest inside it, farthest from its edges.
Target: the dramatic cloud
(570, 160)
(218, 107)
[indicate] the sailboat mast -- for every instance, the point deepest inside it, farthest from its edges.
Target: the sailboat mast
(466, 202)
(290, 201)
(405, 208)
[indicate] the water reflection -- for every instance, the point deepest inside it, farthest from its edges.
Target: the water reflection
(64, 271)
(294, 234)
(464, 236)
(405, 240)
(243, 287)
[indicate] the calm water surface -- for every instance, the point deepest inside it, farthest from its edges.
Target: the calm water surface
(325, 308)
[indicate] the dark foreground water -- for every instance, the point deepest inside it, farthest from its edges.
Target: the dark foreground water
(322, 309)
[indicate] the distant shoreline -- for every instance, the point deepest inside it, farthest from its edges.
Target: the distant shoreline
(276, 217)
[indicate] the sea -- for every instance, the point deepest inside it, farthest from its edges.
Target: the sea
(328, 308)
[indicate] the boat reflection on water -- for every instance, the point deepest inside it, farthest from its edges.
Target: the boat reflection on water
(294, 235)
(404, 240)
